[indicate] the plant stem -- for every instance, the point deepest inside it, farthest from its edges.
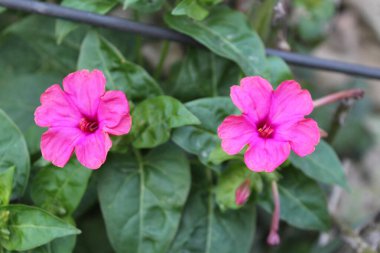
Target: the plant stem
(341, 95)
(163, 55)
(273, 237)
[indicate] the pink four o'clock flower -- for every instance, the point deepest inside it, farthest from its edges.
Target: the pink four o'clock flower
(80, 118)
(272, 123)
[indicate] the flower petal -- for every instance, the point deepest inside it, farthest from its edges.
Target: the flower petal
(236, 132)
(57, 144)
(85, 88)
(253, 97)
(123, 127)
(290, 103)
(303, 136)
(113, 107)
(92, 150)
(266, 155)
(55, 109)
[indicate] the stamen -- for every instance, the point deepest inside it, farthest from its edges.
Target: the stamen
(265, 131)
(88, 126)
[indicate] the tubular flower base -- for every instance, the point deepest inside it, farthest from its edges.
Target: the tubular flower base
(272, 123)
(80, 118)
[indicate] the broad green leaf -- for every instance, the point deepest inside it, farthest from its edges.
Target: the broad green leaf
(6, 183)
(203, 74)
(202, 139)
(14, 152)
(322, 165)
(64, 244)
(38, 32)
(303, 203)
(2, 9)
(155, 117)
(97, 53)
(94, 237)
(190, 8)
(226, 33)
(277, 70)
(31, 227)
(142, 198)
(217, 156)
(205, 228)
(63, 28)
(59, 190)
(230, 179)
(31, 61)
(143, 5)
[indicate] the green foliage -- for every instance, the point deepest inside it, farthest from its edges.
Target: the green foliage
(190, 8)
(303, 204)
(168, 186)
(98, 53)
(155, 117)
(202, 139)
(30, 227)
(203, 74)
(143, 5)
(13, 153)
(142, 198)
(230, 179)
(63, 28)
(205, 228)
(6, 183)
(59, 190)
(322, 165)
(226, 33)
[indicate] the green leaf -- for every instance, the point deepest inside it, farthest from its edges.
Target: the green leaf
(202, 139)
(190, 8)
(322, 165)
(2, 9)
(205, 228)
(31, 61)
(142, 198)
(38, 32)
(277, 70)
(303, 203)
(230, 179)
(226, 33)
(143, 5)
(31, 227)
(59, 190)
(6, 183)
(97, 53)
(155, 117)
(203, 74)
(94, 237)
(14, 152)
(63, 28)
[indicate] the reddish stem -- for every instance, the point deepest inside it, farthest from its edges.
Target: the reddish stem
(332, 98)
(273, 237)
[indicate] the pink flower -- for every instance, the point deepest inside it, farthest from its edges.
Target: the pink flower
(271, 124)
(243, 192)
(80, 117)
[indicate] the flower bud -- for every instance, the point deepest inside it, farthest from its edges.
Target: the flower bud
(243, 192)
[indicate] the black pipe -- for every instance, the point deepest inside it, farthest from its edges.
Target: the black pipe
(125, 25)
